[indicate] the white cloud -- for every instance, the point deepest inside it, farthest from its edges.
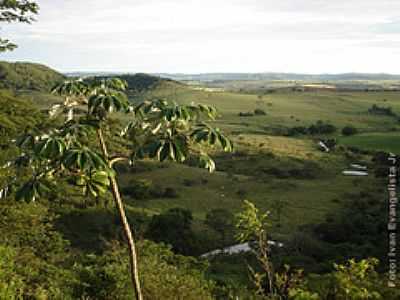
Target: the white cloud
(213, 35)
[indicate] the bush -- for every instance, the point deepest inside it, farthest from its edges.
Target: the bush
(349, 130)
(259, 112)
(164, 275)
(321, 128)
(246, 114)
(139, 189)
(189, 182)
(173, 227)
(170, 193)
(221, 220)
(298, 130)
(384, 111)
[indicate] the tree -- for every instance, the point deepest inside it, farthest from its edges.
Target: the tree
(357, 280)
(16, 11)
(80, 148)
(173, 227)
(287, 284)
(221, 220)
(252, 226)
(349, 130)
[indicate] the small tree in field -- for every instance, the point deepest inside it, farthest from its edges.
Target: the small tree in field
(79, 149)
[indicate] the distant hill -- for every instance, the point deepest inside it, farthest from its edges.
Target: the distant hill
(140, 82)
(28, 76)
(254, 76)
(143, 82)
(278, 76)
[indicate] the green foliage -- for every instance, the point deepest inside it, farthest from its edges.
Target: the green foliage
(259, 112)
(28, 76)
(321, 127)
(349, 130)
(16, 115)
(250, 223)
(11, 284)
(174, 228)
(385, 111)
(164, 274)
(38, 254)
(36, 262)
(221, 220)
(357, 280)
(140, 189)
(16, 11)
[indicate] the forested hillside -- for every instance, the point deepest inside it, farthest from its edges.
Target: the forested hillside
(28, 76)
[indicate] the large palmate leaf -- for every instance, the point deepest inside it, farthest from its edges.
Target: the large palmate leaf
(33, 190)
(109, 101)
(50, 148)
(83, 159)
(211, 136)
(71, 88)
(95, 183)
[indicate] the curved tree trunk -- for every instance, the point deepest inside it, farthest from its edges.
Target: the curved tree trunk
(128, 233)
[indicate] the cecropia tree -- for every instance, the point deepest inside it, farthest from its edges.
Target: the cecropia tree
(79, 148)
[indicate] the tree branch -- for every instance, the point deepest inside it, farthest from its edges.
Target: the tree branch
(115, 159)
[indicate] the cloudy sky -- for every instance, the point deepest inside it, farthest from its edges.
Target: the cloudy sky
(198, 36)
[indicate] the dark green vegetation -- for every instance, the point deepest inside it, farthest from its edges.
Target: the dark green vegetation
(28, 76)
(72, 246)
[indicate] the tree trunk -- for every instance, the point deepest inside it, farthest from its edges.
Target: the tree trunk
(128, 233)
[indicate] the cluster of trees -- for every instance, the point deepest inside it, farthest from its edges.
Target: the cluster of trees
(142, 189)
(318, 128)
(352, 279)
(257, 112)
(384, 111)
(37, 262)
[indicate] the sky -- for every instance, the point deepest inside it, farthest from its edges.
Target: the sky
(204, 36)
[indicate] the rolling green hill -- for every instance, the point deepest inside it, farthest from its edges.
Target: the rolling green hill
(28, 76)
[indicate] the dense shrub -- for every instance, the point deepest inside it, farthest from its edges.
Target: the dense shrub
(349, 130)
(259, 112)
(246, 114)
(173, 227)
(11, 283)
(139, 189)
(384, 111)
(221, 220)
(298, 130)
(321, 128)
(164, 275)
(170, 192)
(315, 129)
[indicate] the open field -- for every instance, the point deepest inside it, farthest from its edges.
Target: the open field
(259, 149)
(388, 142)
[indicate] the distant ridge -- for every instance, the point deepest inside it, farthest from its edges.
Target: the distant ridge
(280, 76)
(253, 76)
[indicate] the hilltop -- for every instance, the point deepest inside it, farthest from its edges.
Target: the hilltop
(28, 76)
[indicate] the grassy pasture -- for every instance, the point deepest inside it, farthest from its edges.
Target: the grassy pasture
(288, 109)
(389, 142)
(247, 174)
